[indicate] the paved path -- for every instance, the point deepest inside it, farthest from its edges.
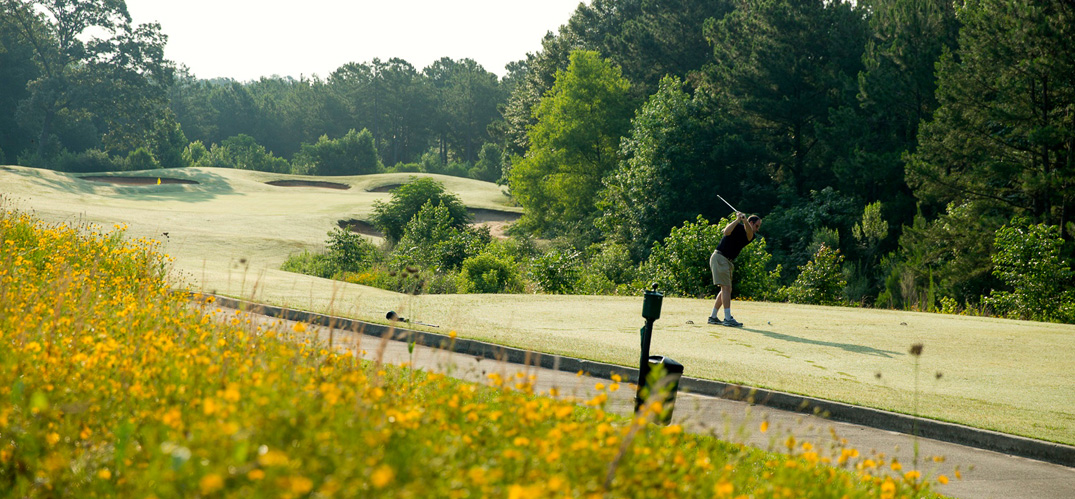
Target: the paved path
(985, 474)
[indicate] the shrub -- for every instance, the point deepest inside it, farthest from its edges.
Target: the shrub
(1027, 259)
(88, 161)
(409, 280)
(352, 154)
(679, 264)
(613, 261)
(751, 278)
(244, 153)
(556, 271)
(405, 168)
(432, 225)
(609, 270)
(449, 254)
(315, 264)
(489, 166)
(431, 162)
(391, 218)
(350, 252)
(196, 154)
(820, 281)
(141, 159)
(488, 273)
(346, 252)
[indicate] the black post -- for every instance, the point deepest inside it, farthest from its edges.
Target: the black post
(651, 311)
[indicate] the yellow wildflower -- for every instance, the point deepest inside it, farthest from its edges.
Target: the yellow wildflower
(298, 485)
(888, 489)
(210, 483)
(382, 476)
(520, 492)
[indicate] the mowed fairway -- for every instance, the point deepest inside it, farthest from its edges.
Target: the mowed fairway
(230, 232)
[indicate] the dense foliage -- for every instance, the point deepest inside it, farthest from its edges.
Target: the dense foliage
(408, 200)
(902, 133)
(573, 145)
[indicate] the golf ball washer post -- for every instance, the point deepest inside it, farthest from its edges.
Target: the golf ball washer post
(651, 311)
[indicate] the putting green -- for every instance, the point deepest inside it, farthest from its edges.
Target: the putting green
(230, 232)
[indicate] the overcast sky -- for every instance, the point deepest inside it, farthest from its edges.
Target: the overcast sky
(246, 40)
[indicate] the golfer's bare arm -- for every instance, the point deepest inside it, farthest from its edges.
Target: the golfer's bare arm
(730, 227)
(750, 230)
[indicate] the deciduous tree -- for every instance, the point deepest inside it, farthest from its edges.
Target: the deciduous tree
(95, 69)
(679, 150)
(1028, 261)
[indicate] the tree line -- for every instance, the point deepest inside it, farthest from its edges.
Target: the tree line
(893, 146)
(904, 153)
(86, 90)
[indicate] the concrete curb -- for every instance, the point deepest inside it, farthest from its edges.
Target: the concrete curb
(927, 428)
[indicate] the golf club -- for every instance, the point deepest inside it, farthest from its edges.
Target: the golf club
(727, 203)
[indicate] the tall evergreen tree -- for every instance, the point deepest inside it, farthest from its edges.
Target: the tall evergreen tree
(574, 144)
(784, 65)
(868, 139)
(1004, 133)
(467, 97)
(1002, 141)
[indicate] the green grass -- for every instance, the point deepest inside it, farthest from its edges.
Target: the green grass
(230, 234)
(113, 386)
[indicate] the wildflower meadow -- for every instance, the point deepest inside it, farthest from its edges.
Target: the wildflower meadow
(114, 382)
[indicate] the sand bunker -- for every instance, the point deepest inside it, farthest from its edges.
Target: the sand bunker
(479, 215)
(359, 226)
(497, 221)
(384, 188)
(137, 180)
(309, 183)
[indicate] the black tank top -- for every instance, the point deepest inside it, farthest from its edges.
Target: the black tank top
(732, 244)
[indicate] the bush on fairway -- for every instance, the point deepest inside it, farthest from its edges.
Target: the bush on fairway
(114, 386)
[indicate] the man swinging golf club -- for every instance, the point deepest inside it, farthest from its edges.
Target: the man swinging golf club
(737, 234)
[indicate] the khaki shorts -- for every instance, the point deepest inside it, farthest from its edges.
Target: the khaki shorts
(722, 269)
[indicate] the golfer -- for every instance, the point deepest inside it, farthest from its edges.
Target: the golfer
(737, 235)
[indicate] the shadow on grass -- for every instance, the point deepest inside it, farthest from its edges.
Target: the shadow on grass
(850, 347)
(188, 185)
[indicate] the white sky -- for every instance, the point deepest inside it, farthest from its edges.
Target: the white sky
(246, 40)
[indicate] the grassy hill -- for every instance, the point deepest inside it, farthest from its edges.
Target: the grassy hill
(230, 231)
